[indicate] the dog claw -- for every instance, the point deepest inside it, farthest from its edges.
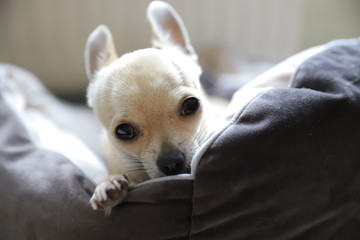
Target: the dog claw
(109, 193)
(94, 204)
(116, 184)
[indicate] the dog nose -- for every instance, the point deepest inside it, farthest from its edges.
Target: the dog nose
(171, 163)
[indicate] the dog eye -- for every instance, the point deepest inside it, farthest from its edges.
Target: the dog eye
(189, 106)
(125, 132)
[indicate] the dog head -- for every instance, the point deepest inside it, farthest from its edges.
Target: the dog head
(149, 101)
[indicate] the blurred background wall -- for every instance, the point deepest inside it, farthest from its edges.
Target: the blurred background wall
(47, 37)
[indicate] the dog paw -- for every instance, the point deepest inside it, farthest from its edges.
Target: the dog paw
(110, 193)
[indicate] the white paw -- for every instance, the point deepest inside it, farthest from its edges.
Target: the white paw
(109, 193)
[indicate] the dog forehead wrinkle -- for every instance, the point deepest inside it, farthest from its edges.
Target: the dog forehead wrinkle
(145, 84)
(145, 108)
(155, 61)
(183, 76)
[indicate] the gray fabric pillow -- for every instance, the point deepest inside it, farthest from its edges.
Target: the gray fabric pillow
(286, 167)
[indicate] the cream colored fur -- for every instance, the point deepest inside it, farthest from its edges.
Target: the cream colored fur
(146, 89)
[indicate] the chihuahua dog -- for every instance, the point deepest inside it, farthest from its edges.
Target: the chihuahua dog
(150, 103)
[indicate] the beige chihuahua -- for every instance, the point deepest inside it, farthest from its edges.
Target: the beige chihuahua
(150, 103)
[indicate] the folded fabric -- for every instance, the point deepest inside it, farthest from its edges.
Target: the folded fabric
(286, 165)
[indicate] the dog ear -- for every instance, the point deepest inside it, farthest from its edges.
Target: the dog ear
(168, 28)
(99, 51)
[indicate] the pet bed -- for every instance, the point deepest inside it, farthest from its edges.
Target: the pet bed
(286, 166)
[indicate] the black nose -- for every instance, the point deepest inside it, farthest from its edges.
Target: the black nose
(171, 163)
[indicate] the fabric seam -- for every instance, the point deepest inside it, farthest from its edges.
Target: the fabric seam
(210, 141)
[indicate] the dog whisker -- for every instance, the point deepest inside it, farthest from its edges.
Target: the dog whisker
(152, 151)
(135, 169)
(150, 118)
(201, 135)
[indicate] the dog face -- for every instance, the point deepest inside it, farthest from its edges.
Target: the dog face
(149, 101)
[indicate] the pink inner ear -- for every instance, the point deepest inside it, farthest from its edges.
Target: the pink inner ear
(176, 35)
(168, 28)
(99, 51)
(97, 48)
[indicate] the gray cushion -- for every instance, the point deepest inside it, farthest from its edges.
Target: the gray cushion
(288, 167)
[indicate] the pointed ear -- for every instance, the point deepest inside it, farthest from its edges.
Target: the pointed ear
(168, 28)
(99, 51)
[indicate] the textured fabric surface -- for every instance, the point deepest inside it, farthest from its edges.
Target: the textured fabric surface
(44, 196)
(287, 168)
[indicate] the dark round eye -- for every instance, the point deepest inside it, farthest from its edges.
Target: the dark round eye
(125, 132)
(189, 106)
